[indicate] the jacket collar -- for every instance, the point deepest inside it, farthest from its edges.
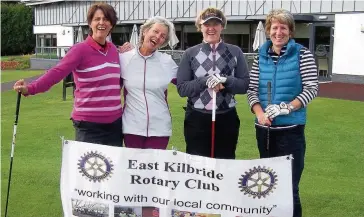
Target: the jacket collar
(145, 57)
(207, 48)
(90, 41)
(264, 49)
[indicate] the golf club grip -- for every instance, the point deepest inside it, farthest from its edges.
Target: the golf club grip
(17, 108)
(269, 86)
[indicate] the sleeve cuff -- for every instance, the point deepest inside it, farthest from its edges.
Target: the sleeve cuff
(202, 81)
(252, 105)
(302, 101)
(30, 90)
(229, 81)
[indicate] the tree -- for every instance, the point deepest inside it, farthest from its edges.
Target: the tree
(16, 29)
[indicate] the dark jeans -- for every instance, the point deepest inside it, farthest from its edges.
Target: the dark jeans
(286, 142)
(99, 133)
(197, 132)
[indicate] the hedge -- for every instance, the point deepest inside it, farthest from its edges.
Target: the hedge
(16, 29)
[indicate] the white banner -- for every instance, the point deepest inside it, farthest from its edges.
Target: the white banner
(105, 181)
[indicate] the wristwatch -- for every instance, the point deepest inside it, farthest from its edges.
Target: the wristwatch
(290, 107)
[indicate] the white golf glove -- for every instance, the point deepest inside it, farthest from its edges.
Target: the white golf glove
(214, 80)
(274, 110)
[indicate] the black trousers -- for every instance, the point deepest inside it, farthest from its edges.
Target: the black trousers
(286, 142)
(99, 133)
(197, 132)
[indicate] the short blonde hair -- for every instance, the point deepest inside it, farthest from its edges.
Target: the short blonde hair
(282, 16)
(208, 11)
(153, 20)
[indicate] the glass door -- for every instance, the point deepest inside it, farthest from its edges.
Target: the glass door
(322, 48)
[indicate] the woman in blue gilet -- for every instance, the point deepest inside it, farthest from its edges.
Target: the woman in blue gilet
(283, 80)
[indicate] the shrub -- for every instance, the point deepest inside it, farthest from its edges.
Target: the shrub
(16, 29)
(15, 62)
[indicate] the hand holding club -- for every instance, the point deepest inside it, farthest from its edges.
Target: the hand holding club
(21, 87)
(263, 119)
(274, 110)
(214, 80)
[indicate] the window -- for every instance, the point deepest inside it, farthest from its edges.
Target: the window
(46, 40)
(45, 46)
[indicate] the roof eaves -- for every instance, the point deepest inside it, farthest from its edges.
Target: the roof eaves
(39, 2)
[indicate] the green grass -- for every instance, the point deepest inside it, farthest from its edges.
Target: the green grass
(332, 183)
(13, 75)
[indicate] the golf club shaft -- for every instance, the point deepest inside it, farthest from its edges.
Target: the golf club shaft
(213, 124)
(12, 151)
(9, 181)
(269, 86)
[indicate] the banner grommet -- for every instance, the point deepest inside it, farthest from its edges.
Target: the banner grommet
(174, 150)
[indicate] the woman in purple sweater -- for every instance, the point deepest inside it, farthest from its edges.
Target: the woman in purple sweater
(95, 66)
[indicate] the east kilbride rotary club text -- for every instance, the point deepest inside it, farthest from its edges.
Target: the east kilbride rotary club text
(173, 167)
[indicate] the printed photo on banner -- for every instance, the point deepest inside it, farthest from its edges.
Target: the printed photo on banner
(82, 208)
(127, 211)
(123, 211)
(179, 213)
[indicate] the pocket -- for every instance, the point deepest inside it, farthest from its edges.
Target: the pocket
(188, 114)
(235, 117)
(292, 140)
(76, 123)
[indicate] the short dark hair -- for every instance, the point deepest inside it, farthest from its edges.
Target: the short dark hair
(108, 10)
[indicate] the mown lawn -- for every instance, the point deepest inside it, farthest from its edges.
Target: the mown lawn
(332, 183)
(13, 75)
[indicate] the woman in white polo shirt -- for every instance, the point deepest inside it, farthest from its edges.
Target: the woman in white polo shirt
(146, 74)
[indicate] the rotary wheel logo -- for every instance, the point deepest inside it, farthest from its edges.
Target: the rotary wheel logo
(95, 166)
(258, 182)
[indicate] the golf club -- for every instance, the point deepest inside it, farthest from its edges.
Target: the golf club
(12, 150)
(213, 124)
(269, 86)
(213, 105)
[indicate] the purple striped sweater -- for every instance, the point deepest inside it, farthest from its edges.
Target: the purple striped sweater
(96, 73)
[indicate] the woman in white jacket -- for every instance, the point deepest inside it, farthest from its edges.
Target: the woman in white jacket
(146, 74)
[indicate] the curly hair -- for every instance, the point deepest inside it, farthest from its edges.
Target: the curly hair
(150, 22)
(282, 16)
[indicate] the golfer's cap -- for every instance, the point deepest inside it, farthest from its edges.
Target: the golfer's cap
(210, 16)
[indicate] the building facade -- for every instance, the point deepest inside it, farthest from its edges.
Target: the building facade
(57, 23)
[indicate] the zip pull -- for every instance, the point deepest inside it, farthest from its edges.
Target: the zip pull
(214, 57)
